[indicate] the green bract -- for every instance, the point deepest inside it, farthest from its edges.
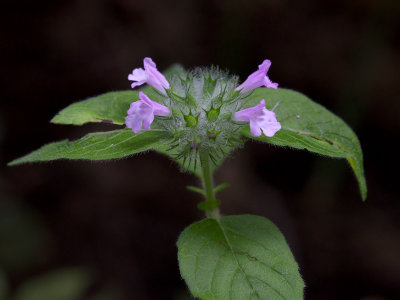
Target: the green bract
(202, 102)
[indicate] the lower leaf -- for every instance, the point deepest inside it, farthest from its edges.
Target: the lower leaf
(97, 146)
(238, 257)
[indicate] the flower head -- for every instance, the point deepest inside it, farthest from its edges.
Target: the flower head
(149, 75)
(201, 103)
(257, 79)
(260, 118)
(141, 113)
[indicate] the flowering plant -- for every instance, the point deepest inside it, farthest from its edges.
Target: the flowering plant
(198, 118)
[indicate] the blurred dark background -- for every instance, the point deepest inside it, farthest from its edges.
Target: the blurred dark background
(108, 230)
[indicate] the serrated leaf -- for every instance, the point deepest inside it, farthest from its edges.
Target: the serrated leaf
(238, 257)
(308, 125)
(64, 284)
(109, 107)
(97, 146)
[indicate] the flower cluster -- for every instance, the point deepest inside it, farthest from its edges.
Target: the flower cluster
(201, 108)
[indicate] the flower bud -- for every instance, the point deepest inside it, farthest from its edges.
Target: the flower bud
(191, 121)
(212, 115)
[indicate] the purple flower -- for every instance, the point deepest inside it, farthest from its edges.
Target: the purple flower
(141, 113)
(149, 75)
(259, 118)
(257, 79)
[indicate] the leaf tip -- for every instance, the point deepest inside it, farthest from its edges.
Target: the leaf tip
(54, 119)
(12, 163)
(16, 162)
(363, 190)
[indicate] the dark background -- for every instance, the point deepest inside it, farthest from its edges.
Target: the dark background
(120, 220)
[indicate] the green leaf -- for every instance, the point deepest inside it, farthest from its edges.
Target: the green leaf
(64, 284)
(196, 190)
(308, 125)
(238, 257)
(221, 187)
(110, 107)
(97, 146)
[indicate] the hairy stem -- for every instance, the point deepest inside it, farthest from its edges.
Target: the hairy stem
(208, 185)
(207, 176)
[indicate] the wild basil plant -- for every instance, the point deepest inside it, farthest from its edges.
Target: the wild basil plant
(198, 118)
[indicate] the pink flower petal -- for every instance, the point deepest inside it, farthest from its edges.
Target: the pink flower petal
(135, 84)
(260, 118)
(149, 75)
(138, 74)
(148, 62)
(245, 115)
(255, 130)
(257, 79)
(158, 109)
(141, 113)
(147, 120)
(264, 67)
(268, 123)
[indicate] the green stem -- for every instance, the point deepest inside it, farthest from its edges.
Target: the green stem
(208, 185)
